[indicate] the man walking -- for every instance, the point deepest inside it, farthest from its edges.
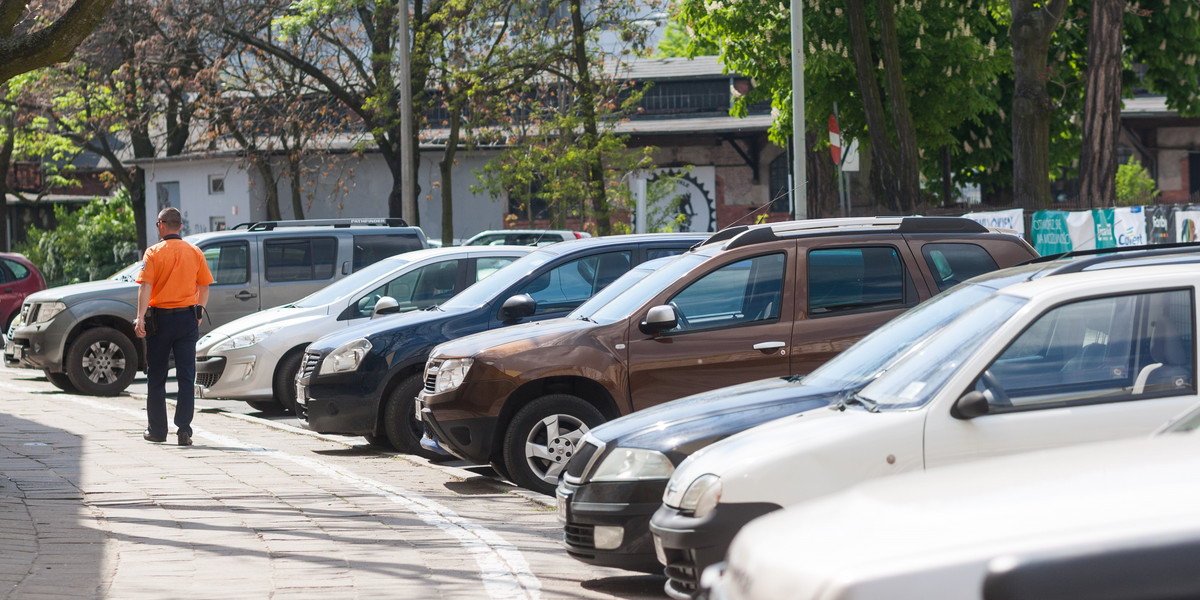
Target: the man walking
(174, 280)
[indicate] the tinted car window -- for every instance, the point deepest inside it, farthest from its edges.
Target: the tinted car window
(841, 279)
(952, 264)
(229, 263)
(418, 288)
(743, 292)
(568, 285)
(300, 259)
(369, 249)
(18, 270)
(1095, 350)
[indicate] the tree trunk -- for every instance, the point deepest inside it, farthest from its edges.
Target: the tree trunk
(885, 166)
(1102, 104)
(947, 185)
(446, 168)
(6, 152)
(822, 182)
(905, 132)
(591, 130)
(297, 182)
(1033, 24)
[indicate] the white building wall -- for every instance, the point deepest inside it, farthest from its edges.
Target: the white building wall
(202, 209)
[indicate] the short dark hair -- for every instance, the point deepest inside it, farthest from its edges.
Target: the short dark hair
(170, 215)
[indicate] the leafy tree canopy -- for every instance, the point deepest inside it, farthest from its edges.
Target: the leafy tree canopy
(88, 244)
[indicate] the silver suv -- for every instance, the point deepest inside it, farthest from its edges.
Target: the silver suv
(82, 336)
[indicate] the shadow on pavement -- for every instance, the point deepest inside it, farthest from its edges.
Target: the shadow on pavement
(632, 586)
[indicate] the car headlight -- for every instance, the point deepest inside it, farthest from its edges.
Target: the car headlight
(451, 373)
(346, 357)
(633, 464)
(701, 496)
(244, 339)
(48, 310)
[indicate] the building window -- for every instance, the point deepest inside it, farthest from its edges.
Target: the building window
(216, 184)
(781, 194)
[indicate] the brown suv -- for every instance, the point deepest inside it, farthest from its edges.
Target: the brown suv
(749, 303)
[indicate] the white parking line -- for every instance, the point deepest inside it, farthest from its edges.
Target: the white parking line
(503, 570)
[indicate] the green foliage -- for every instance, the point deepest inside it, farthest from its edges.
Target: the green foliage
(90, 243)
(1135, 186)
(679, 40)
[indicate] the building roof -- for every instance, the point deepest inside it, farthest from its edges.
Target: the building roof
(1146, 106)
(661, 69)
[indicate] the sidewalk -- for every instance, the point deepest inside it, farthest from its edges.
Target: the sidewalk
(90, 510)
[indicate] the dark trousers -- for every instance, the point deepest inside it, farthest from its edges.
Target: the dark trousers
(177, 334)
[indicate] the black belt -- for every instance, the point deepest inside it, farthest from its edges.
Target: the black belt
(167, 311)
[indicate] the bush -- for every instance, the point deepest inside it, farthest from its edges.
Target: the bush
(1135, 187)
(88, 244)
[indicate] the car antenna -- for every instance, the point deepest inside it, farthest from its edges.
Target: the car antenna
(735, 223)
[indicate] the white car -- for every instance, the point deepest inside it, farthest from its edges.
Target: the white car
(1111, 520)
(523, 237)
(255, 358)
(1089, 350)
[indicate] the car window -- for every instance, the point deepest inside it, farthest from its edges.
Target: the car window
(1101, 349)
(748, 291)
(653, 253)
(229, 263)
(952, 264)
(844, 279)
(487, 240)
(568, 285)
(419, 288)
(5, 274)
(18, 270)
(304, 259)
(370, 249)
(490, 264)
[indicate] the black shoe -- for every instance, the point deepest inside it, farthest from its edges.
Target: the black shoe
(150, 437)
(185, 438)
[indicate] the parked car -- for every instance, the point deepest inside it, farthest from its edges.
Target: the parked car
(18, 279)
(256, 358)
(523, 237)
(754, 302)
(1048, 354)
(82, 336)
(1114, 520)
(360, 380)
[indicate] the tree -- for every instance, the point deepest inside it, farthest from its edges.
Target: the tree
(1102, 103)
(90, 243)
(1133, 185)
(35, 35)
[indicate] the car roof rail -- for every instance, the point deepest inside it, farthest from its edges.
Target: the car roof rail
(745, 236)
(1082, 260)
(351, 222)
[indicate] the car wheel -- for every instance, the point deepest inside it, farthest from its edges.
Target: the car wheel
(379, 441)
(284, 385)
(61, 381)
(101, 362)
(267, 406)
(543, 436)
(400, 421)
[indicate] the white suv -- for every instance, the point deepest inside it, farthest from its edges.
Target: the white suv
(1044, 355)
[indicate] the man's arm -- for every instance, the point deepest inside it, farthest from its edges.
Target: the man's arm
(139, 323)
(202, 291)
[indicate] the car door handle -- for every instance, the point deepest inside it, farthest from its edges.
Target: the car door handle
(765, 346)
(244, 295)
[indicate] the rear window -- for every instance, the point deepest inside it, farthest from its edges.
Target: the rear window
(305, 259)
(18, 270)
(369, 249)
(844, 279)
(952, 264)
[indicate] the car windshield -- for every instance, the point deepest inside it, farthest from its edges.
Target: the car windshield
(642, 291)
(913, 379)
(872, 355)
(350, 284)
(618, 287)
(128, 273)
(486, 289)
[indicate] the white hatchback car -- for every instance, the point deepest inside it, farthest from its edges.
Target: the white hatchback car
(1113, 520)
(1048, 355)
(255, 358)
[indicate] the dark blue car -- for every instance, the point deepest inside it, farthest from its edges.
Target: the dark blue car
(363, 380)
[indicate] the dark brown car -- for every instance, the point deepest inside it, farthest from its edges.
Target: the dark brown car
(750, 303)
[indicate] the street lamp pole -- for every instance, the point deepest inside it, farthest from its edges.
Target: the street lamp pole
(408, 199)
(799, 142)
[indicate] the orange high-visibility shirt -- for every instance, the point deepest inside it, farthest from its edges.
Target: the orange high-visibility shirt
(175, 270)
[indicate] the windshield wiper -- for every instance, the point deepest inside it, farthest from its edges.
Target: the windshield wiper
(845, 401)
(583, 318)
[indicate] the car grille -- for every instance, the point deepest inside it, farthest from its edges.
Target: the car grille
(580, 536)
(431, 373)
(309, 365)
(578, 464)
(681, 572)
(207, 379)
(29, 312)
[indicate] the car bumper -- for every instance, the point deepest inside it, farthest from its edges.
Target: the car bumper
(235, 376)
(687, 545)
(608, 523)
(38, 346)
(336, 404)
(464, 420)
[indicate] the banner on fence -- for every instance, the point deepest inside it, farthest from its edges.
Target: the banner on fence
(1186, 222)
(1051, 235)
(1129, 226)
(1160, 224)
(1007, 219)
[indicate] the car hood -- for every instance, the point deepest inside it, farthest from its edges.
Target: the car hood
(939, 530)
(281, 316)
(79, 292)
(529, 333)
(683, 426)
(386, 326)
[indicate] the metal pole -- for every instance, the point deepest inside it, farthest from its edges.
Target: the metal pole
(408, 199)
(641, 219)
(800, 179)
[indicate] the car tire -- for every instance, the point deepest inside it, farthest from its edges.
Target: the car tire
(379, 441)
(102, 362)
(266, 406)
(400, 421)
(61, 381)
(284, 382)
(542, 438)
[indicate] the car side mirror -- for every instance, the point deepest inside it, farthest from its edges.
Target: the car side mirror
(386, 305)
(659, 319)
(518, 307)
(970, 405)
